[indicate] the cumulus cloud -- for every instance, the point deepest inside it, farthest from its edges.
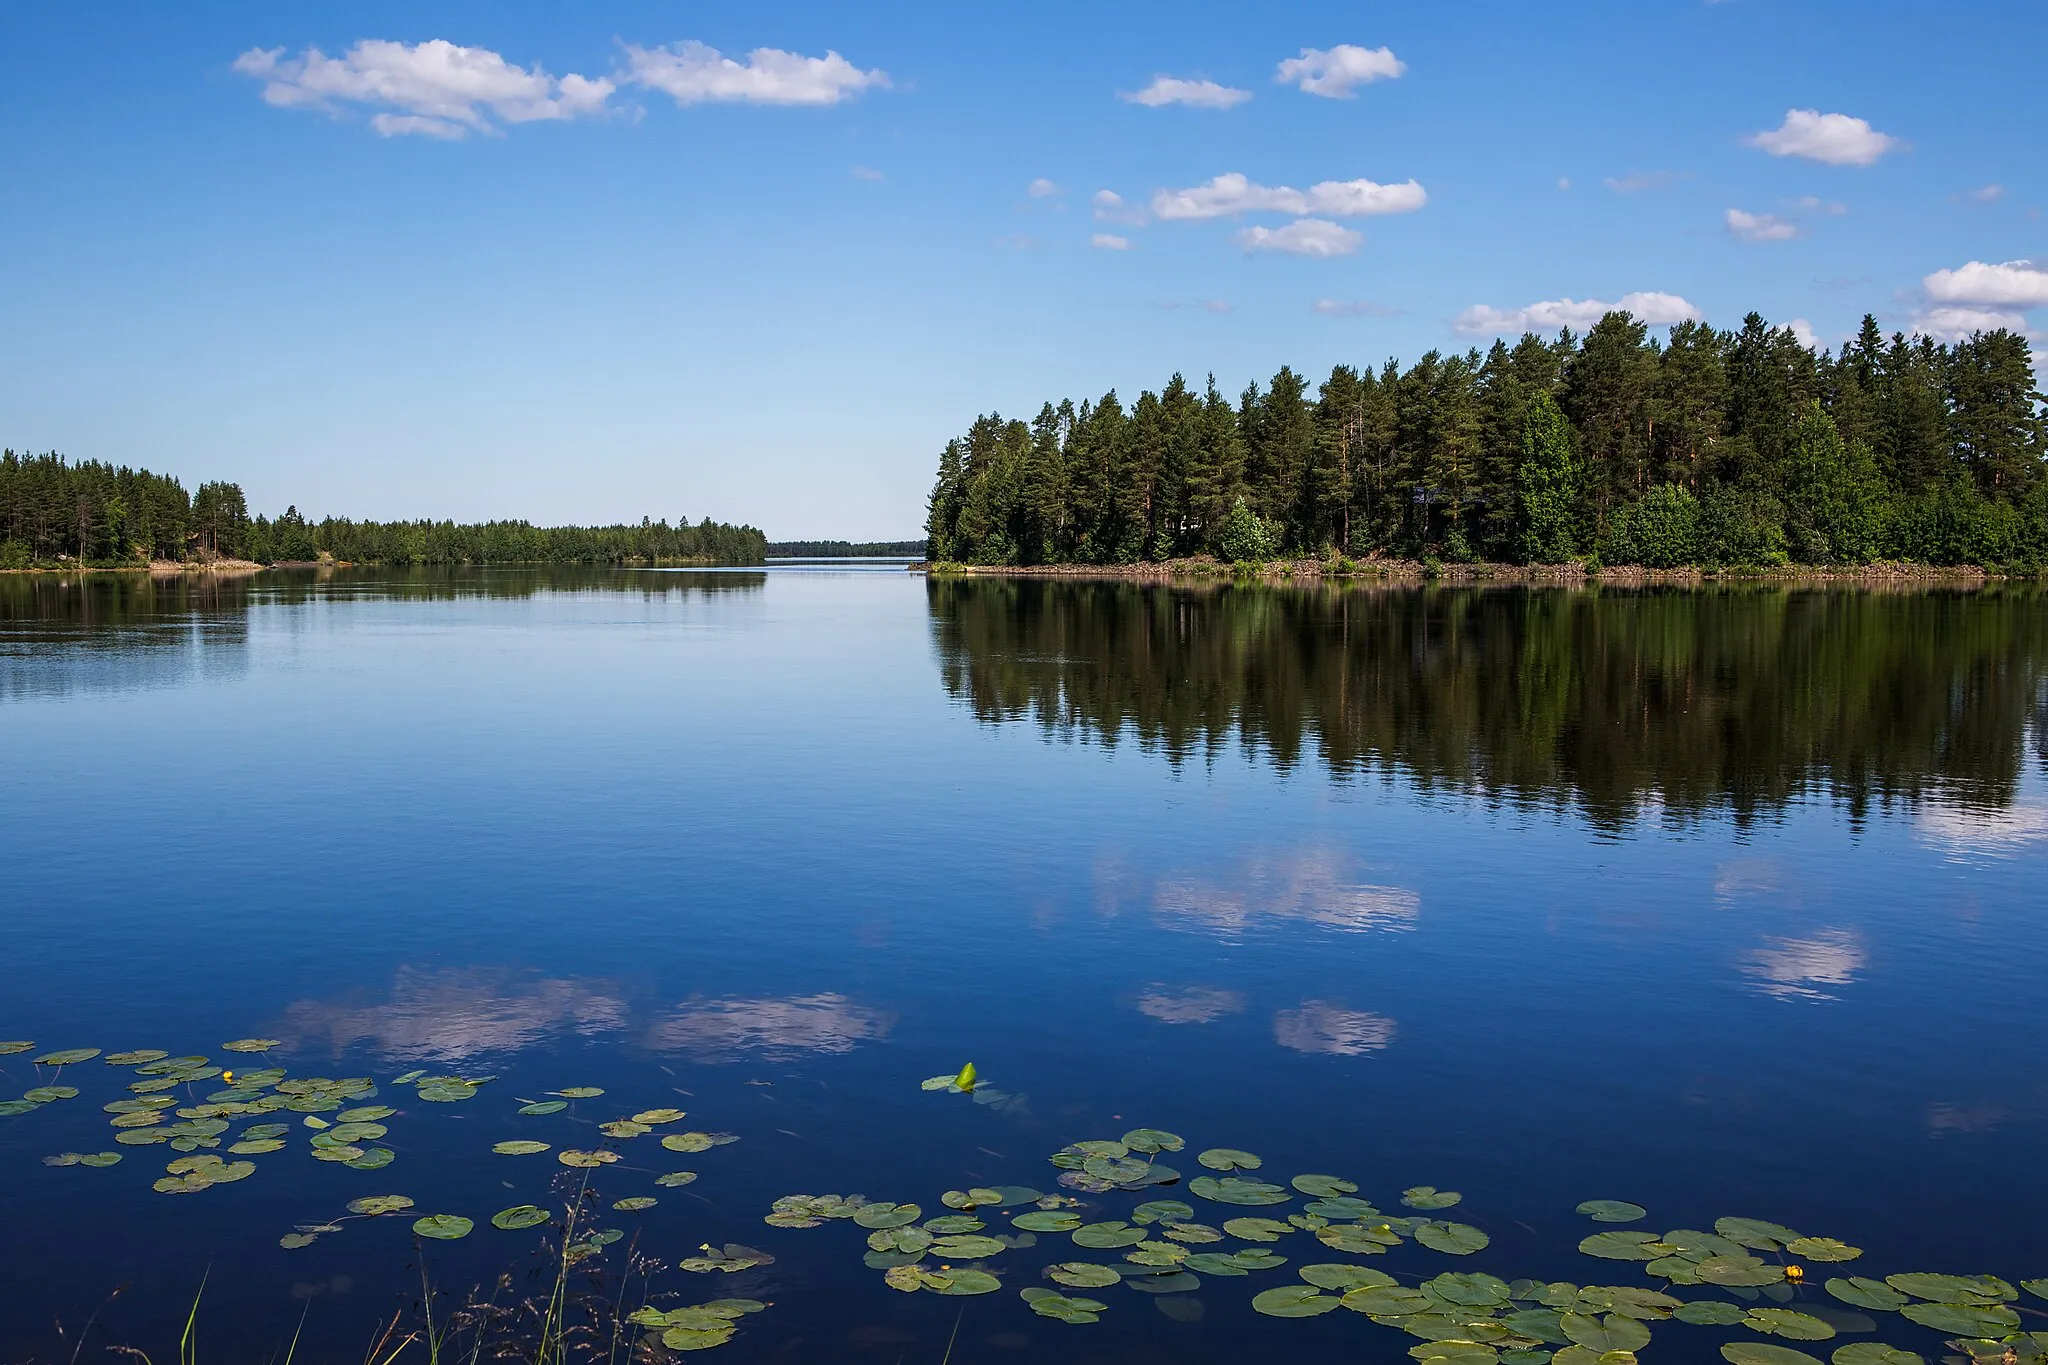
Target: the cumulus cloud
(1320, 1028)
(1658, 310)
(1303, 237)
(1109, 241)
(435, 89)
(1356, 308)
(1335, 73)
(1636, 182)
(1233, 193)
(1960, 324)
(693, 73)
(1760, 227)
(1165, 90)
(1983, 194)
(1042, 188)
(1813, 203)
(1803, 330)
(1836, 139)
(1111, 208)
(2009, 284)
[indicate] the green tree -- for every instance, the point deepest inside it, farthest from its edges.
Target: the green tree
(1547, 485)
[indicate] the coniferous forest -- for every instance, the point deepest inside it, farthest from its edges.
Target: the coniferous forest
(55, 512)
(1710, 448)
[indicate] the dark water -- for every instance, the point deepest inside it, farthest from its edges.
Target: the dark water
(1723, 902)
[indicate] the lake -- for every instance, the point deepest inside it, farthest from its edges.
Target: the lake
(1727, 902)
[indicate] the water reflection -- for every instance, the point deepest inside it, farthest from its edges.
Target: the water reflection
(455, 1016)
(1319, 1027)
(1967, 833)
(1192, 1005)
(1628, 705)
(776, 1027)
(1315, 885)
(1799, 968)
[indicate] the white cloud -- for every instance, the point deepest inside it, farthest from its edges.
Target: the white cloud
(1109, 241)
(1658, 310)
(1334, 72)
(692, 73)
(1636, 182)
(1983, 194)
(867, 173)
(2009, 284)
(435, 88)
(1959, 324)
(1111, 208)
(1233, 193)
(1813, 203)
(1355, 308)
(1042, 188)
(1166, 90)
(1803, 330)
(1760, 227)
(1564, 182)
(1207, 306)
(1836, 139)
(1320, 1028)
(1303, 237)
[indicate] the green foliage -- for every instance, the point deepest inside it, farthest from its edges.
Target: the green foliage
(1546, 486)
(1740, 528)
(1245, 538)
(1659, 531)
(1834, 497)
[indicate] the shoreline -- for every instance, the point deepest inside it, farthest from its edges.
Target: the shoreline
(1406, 571)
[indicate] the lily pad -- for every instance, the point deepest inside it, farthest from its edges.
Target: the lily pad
(1258, 1229)
(539, 1107)
(1341, 1278)
(887, 1215)
(1822, 1249)
(1611, 1333)
(910, 1243)
(1047, 1220)
(1151, 1140)
(1467, 1289)
(688, 1143)
(1083, 1275)
(1785, 1322)
(653, 1116)
(1763, 1353)
(68, 1057)
(635, 1203)
(1103, 1236)
(1867, 1293)
(1710, 1313)
(443, 1227)
(1388, 1301)
(50, 1094)
(1612, 1210)
(1229, 1159)
(1429, 1197)
(675, 1178)
(1356, 1239)
(447, 1092)
(519, 1216)
(1873, 1353)
(1197, 1233)
(960, 1283)
(1971, 1289)
(1755, 1233)
(623, 1128)
(369, 1113)
(10, 1108)
(372, 1159)
(1964, 1319)
(250, 1045)
(1162, 1282)
(1323, 1186)
(586, 1160)
(730, 1259)
(1453, 1239)
(1237, 1190)
(135, 1058)
(580, 1092)
(1063, 1308)
(1294, 1301)
(967, 1247)
(951, 1224)
(10, 1048)
(375, 1204)
(1745, 1271)
(292, 1241)
(1214, 1263)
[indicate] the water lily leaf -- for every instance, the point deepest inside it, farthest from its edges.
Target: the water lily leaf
(1229, 1159)
(262, 1131)
(1453, 1239)
(143, 1137)
(2038, 1288)
(372, 1159)
(1873, 1353)
(1103, 1236)
(1537, 1324)
(1083, 1275)
(1822, 1249)
(1293, 1301)
(10, 1108)
(1709, 1313)
(1454, 1353)
(1784, 1322)
(369, 1113)
(376, 1204)
(519, 1216)
(1468, 1290)
(50, 1094)
(688, 1142)
(623, 1128)
(1162, 1281)
(586, 1160)
(1388, 1301)
(887, 1215)
(635, 1204)
(1964, 1319)
(135, 1058)
(1867, 1293)
(1258, 1228)
(1214, 1263)
(1356, 1239)
(358, 1132)
(909, 1242)
(1047, 1220)
(950, 1224)
(443, 1227)
(99, 1159)
(1233, 1189)
(292, 1241)
(1151, 1140)
(10, 1048)
(1611, 1333)
(1755, 1233)
(1162, 1211)
(1198, 1233)
(1343, 1278)
(1763, 1353)
(580, 1092)
(1612, 1210)
(1323, 1186)
(68, 1057)
(1061, 1308)
(653, 1116)
(1974, 1289)
(1116, 1170)
(250, 1045)
(1429, 1197)
(446, 1092)
(959, 1283)
(539, 1107)
(689, 1339)
(1156, 1254)
(1746, 1271)
(967, 1247)
(731, 1259)
(675, 1178)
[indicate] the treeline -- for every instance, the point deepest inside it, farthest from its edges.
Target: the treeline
(1712, 448)
(53, 511)
(1622, 704)
(843, 549)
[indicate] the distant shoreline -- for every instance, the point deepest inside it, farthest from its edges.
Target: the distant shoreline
(1205, 569)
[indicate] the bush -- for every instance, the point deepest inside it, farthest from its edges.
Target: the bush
(1742, 528)
(1245, 538)
(1662, 531)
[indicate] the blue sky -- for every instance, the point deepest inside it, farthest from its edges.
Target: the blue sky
(586, 269)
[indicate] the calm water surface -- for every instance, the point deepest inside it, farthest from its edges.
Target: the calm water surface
(1726, 903)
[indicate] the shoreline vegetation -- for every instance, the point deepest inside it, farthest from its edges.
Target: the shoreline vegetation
(1709, 451)
(56, 515)
(1206, 568)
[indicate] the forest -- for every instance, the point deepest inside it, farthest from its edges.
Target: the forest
(54, 512)
(1711, 448)
(845, 549)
